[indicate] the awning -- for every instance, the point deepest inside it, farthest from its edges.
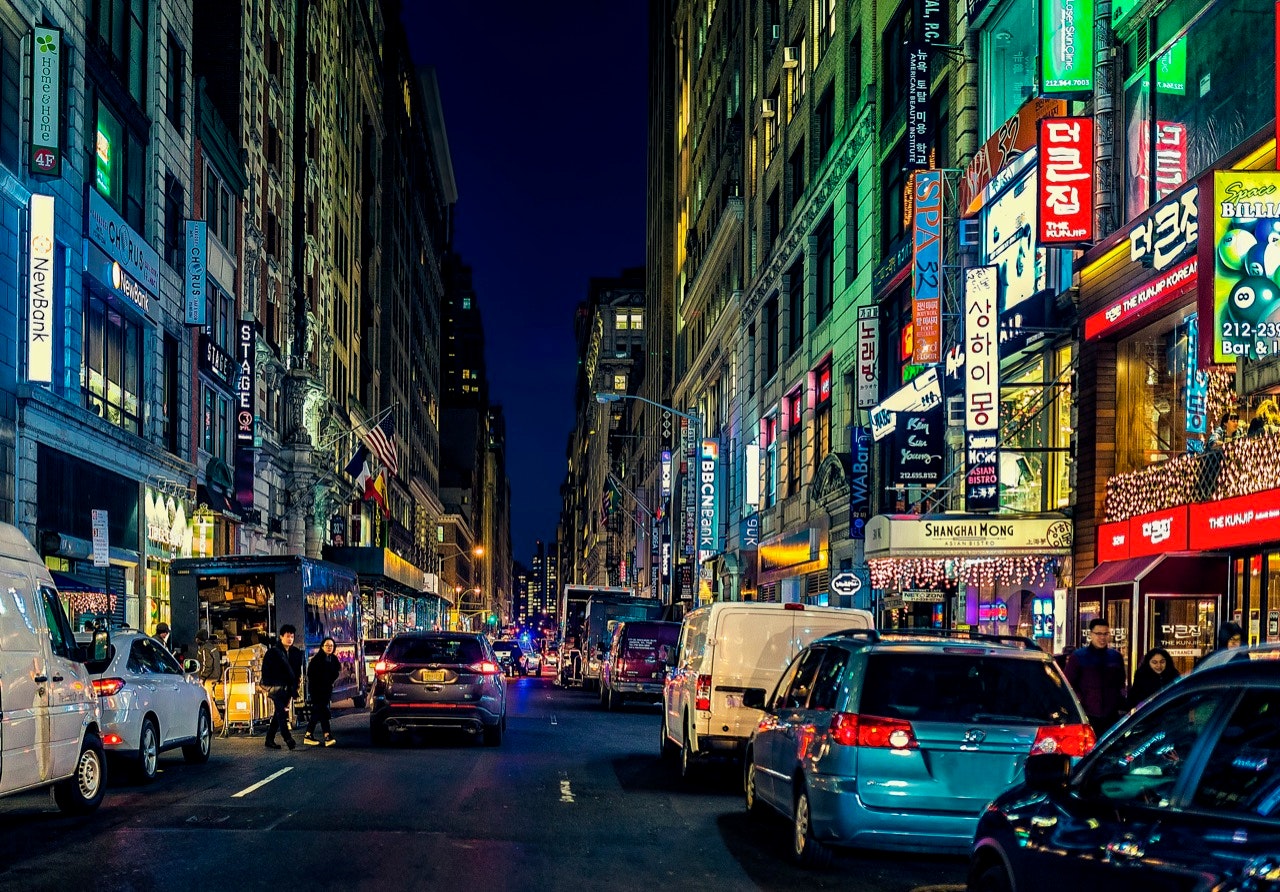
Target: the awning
(1175, 573)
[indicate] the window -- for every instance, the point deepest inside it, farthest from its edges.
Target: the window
(10, 95)
(751, 359)
(826, 114)
(215, 423)
(119, 164)
(829, 684)
(796, 695)
(120, 27)
(621, 319)
(796, 80)
(61, 638)
(795, 441)
(619, 382)
(822, 415)
(771, 340)
(770, 436)
(1141, 766)
(771, 132)
(824, 259)
(217, 209)
(771, 221)
(892, 207)
(795, 307)
(893, 52)
(174, 222)
(824, 17)
(795, 167)
(1242, 775)
(855, 70)
(171, 396)
(1008, 47)
(175, 83)
(112, 371)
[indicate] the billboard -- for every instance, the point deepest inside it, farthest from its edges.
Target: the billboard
(926, 267)
(40, 285)
(1246, 272)
(46, 102)
(1066, 181)
(918, 124)
(1009, 241)
(710, 542)
(246, 378)
(1066, 47)
(196, 273)
(859, 481)
(868, 356)
(918, 454)
(981, 389)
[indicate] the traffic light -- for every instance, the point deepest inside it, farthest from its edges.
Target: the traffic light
(493, 619)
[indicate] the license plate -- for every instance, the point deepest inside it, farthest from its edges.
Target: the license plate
(733, 700)
(433, 675)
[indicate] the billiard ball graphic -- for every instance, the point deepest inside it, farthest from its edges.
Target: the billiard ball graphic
(1235, 246)
(1253, 299)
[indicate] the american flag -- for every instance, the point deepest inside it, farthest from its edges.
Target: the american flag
(382, 440)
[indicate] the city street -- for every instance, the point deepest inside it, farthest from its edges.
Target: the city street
(575, 798)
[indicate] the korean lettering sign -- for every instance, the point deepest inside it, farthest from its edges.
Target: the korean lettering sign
(1169, 232)
(982, 389)
(918, 124)
(1066, 181)
(926, 268)
(868, 356)
(1066, 46)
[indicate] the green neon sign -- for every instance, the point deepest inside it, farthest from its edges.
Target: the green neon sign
(1171, 70)
(1121, 10)
(1066, 47)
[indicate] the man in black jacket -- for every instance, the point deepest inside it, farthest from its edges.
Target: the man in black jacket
(281, 671)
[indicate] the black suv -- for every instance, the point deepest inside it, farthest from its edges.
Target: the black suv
(1183, 794)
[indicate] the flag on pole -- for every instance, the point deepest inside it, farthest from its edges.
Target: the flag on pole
(375, 490)
(358, 467)
(382, 440)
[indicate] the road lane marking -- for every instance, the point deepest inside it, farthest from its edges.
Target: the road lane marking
(553, 719)
(262, 783)
(566, 792)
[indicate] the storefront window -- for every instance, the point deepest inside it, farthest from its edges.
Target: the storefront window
(1185, 627)
(1008, 62)
(1198, 110)
(1152, 390)
(1060, 421)
(1022, 427)
(111, 377)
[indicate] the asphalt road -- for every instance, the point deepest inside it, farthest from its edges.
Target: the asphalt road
(574, 799)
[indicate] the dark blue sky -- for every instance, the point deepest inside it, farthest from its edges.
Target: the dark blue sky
(546, 110)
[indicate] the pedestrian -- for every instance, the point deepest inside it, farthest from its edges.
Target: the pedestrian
(1157, 671)
(281, 672)
(1096, 672)
(322, 672)
(162, 635)
(1228, 428)
(1230, 635)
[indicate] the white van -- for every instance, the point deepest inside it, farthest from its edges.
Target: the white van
(725, 650)
(49, 725)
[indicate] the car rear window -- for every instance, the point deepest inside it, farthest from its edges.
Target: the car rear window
(373, 647)
(452, 651)
(503, 647)
(969, 688)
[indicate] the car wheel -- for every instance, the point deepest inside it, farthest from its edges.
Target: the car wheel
(493, 736)
(993, 879)
(82, 793)
(378, 734)
(806, 850)
(755, 807)
(148, 751)
(686, 755)
(197, 753)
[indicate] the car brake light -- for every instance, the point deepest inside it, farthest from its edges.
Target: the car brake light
(793, 607)
(1067, 740)
(871, 731)
(107, 687)
(382, 667)
(702, 696)
(112, 739)
(486, 667)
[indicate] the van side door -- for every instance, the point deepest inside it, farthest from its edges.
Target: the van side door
(24, 759)
(69, 691)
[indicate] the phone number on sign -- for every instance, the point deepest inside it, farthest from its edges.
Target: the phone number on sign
(1258, 338)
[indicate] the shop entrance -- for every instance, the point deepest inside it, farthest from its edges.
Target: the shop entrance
(1256, 578)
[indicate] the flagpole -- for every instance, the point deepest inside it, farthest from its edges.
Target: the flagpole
(364, 425)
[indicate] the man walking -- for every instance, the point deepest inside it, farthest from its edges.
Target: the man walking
(281, 671)
(1096, 672)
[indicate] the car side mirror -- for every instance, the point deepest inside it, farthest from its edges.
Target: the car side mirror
(753, 697)
(190, 666)
(1047, 772)
(101, 645)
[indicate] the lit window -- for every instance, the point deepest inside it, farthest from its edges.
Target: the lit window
(620, 321)
(619, 382)
(637, 321)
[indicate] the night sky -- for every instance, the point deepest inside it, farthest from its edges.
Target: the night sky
(546, 110)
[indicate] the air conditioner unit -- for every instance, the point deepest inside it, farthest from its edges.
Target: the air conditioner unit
(790, 56)
(955, 411)
(970, 234)
(775, 33)
(768, 108)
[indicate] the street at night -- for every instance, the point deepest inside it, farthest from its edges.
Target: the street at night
(573, 798)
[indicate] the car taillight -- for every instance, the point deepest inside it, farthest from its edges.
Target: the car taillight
(382, 667)
(107, 687)
(485, 667)
(793, 607)
(1068, 740)
(112, 739)
(871, 731)
(702, 695)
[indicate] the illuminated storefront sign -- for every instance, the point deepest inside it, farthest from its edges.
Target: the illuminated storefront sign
(665, 484)
(1246, 237)
(1066, 47)
(1014, 137)
(196, 271)
(710, 542)
(108, 230)
(46, 102)
(926, 268)
(868, 368)
(859, 482)
(1158, 532)
(1066, 181)
(40, 297)
(954, 536)
(1113, 541)
(1140, 302)
(1244, 520)
(918, 124)
(246, 382)
(920, 393)
(981, 390)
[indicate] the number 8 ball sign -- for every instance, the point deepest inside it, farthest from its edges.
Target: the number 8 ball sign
(1246, 280)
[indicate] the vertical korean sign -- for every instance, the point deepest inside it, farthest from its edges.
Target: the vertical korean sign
(40, 291)
(46, 102)
(246, 388)
(708, 487)
(981, 390)
(196, 274)
(1066, 181)
(926, 267)
(1066, 47)
(868, 356)
(918, 124)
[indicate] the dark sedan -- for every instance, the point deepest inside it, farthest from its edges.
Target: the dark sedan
(438, 680)
(1182, 795)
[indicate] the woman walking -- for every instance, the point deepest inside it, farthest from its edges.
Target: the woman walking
(322, 672)
(1152, 676)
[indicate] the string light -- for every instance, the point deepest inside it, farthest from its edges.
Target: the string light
(901, 574)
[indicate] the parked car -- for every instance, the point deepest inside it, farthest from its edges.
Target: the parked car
(532, 661)
(898, 740)
(726, 650)
(373, 650)
(634, 667)
(510, 657)
(438, 680)
(50, 731)
(150, 704)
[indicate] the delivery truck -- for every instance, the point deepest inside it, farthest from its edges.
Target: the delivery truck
(573, 628)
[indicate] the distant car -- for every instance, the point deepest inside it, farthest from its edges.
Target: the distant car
(373, 650)
(510, 656)
(1182, 794)
(438, 680)
(634, 668)
(149, 704)
(898, 740)
(532, 661)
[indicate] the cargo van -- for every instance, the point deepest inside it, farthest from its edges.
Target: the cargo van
(49, 720)
(633, 668)
(726, 650)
